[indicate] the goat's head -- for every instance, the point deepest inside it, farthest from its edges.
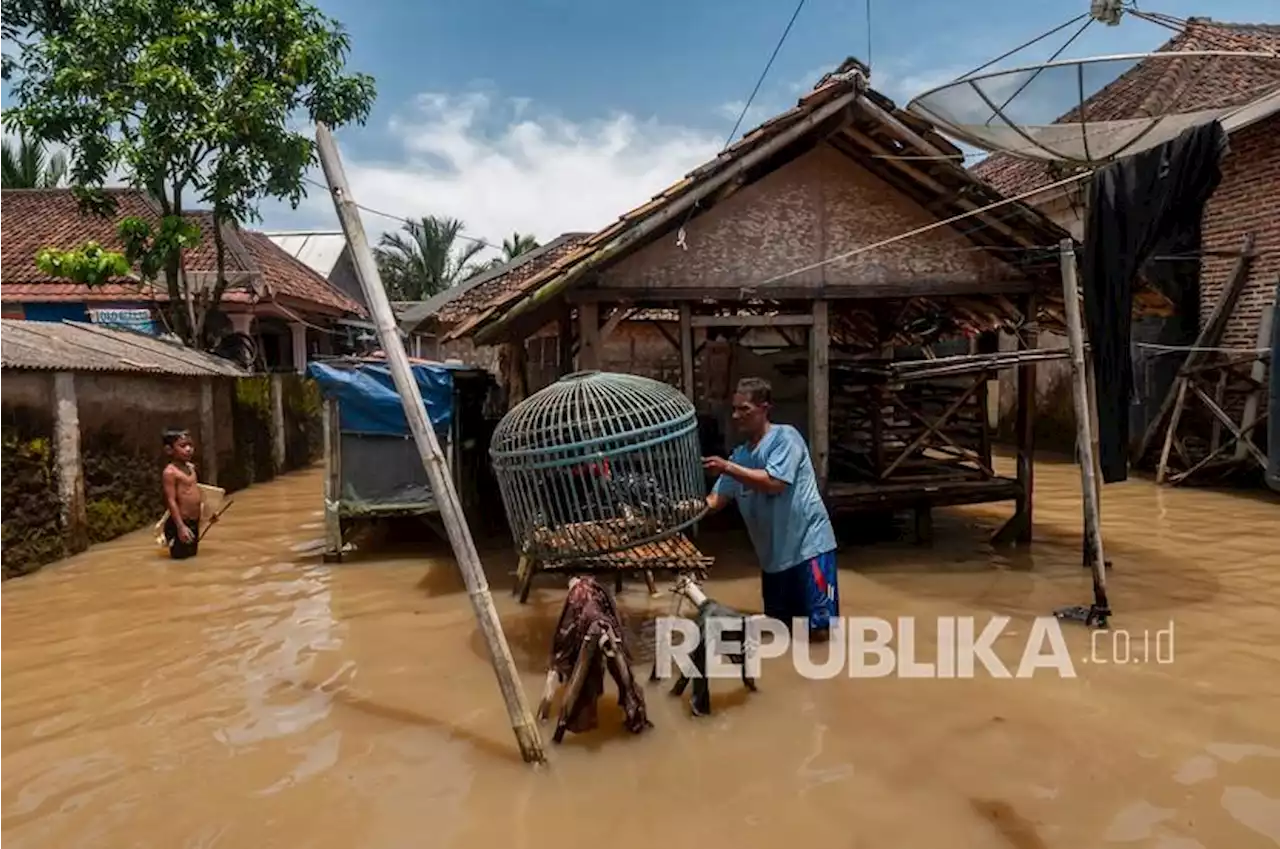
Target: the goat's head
(686, 587)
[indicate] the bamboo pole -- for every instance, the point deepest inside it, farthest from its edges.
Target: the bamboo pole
(522, 720)
(1080, 395)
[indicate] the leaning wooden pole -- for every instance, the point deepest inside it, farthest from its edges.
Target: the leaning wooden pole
(1084, 439)
(522, 720)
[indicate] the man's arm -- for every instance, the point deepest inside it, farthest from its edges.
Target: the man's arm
(779, 472)
(758, 479)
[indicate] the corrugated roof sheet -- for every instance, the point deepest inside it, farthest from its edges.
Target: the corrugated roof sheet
(319, 250)
(76, 346)
(1188, 84)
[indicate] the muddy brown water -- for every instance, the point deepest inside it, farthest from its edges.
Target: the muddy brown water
(257, 697)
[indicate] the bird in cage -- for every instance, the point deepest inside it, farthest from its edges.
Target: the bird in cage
(640, 493)
(598, 461)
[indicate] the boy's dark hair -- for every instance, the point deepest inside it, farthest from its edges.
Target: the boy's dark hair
(759, 390)
(173, 434)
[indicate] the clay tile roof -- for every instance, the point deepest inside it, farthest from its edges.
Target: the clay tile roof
(285, 275)
(38, 218)
(1150, 86)
(473, 296)
(844, 87)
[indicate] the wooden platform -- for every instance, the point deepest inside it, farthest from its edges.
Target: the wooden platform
(852, 497)
(675, 554)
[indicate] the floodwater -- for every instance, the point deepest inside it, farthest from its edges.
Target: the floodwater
(256, 697)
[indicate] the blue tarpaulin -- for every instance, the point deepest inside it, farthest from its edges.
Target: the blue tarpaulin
(368, 402)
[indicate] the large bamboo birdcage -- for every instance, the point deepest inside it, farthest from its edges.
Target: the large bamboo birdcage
(598, 463)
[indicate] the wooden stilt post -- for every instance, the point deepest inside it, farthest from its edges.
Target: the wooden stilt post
(589, 336)
(332, 480)
(819, 391)
(522, 719)
(1258, 375)
(686, 351)
(1019, 528)
(1080, 394)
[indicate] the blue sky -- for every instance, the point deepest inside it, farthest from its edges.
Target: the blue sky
(556, 115)
(553, 115)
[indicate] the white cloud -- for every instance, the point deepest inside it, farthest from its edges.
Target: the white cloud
(504, 166)
(902, 83)
(755, 115)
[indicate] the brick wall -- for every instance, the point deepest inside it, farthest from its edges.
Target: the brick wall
(1248, 199)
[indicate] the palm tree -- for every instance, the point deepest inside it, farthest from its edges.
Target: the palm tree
(518, 244)
(425, 259)
(24, 165)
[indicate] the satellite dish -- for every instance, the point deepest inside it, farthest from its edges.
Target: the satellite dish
(1089, 111)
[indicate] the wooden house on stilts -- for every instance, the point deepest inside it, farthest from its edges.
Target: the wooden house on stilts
(842, 250)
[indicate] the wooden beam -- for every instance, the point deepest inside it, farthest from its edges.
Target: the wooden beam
(686, 351)
(1222, 416)
(617, 317)
(589, 337)
(565, 344)
(446, 496)
(931, 429)
(664, 296)
(924, 179)
(1019, 529)
(1258, 376)
(1208, 338)
(332, 479)
(751, 320)
(1080, 395)
(819, 392)
(921, 144)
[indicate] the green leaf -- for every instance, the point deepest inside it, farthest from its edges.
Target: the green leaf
(199, 102)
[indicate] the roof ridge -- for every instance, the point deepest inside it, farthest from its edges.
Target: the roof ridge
(1210, 23)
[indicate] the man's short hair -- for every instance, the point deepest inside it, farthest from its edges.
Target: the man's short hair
(173, 434)
(759, 390)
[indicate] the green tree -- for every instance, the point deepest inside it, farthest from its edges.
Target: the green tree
(425, 258)
(517, 244)
(26, 164)
(197, 102)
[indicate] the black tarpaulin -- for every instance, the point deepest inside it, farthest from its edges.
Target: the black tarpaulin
(1146, 200)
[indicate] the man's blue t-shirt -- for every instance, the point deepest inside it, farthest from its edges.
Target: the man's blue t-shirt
(791, 527)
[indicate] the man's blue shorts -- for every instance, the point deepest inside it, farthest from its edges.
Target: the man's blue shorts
(806, 590)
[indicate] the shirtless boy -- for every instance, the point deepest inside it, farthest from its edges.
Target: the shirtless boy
(182, 496)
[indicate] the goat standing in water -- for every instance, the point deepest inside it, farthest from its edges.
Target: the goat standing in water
(709, 610)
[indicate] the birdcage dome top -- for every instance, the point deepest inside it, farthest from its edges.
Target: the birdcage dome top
(593, 411)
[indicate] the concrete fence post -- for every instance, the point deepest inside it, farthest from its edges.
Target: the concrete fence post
(277, 423)
(208, 434)
(70, 468)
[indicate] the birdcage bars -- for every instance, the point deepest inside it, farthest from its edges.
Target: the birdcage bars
(598, 464)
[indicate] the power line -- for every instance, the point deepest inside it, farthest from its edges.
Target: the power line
(745, 107)
(917, 231)
(868, 4)
(404, 220)
(759, 82)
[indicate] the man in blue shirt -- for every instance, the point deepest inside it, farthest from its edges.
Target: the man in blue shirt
(771, 478)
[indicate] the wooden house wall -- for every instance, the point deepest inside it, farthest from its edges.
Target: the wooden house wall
(820, 205)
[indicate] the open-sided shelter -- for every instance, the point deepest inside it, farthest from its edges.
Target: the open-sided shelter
(886, 340)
